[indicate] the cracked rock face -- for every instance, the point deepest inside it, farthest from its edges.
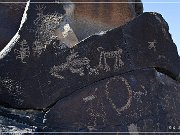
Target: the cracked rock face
(122, 80)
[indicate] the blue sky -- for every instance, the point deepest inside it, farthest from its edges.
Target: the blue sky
(170, 12)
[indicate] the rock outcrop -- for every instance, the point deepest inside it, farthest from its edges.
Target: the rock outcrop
(121, 80)
(85, 19)
(90, 18)
(10, 18)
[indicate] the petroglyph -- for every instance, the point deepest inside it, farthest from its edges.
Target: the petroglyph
(152, 45)
(14, 88)
(119, 110)
(46, 25)
(94, 116)
(78, 65)
(103, 65)
(95, 109)
(133, 128)
(109, 55)
(73, 63)
(23, 51)
(9, 84)
(139, 94)
(38, 48)
(92, 71)
(89, 98)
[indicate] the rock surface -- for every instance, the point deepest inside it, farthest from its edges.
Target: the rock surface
(85, 19)
(90, 18)
(122, 80)
(10, 17)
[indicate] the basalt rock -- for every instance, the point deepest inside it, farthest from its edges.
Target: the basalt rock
(85, 19)
(90, 18)
(122, 80)
(10, 18)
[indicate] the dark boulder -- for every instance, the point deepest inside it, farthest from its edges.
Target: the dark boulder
(125, 79)
(10, 18)
(144, 100)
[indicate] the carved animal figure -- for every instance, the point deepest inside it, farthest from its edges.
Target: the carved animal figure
(74, 64)
(111, 54)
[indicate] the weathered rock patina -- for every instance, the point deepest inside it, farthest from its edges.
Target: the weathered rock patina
(90, 18)
(121, 80)
(10, 18)
(85, 19)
